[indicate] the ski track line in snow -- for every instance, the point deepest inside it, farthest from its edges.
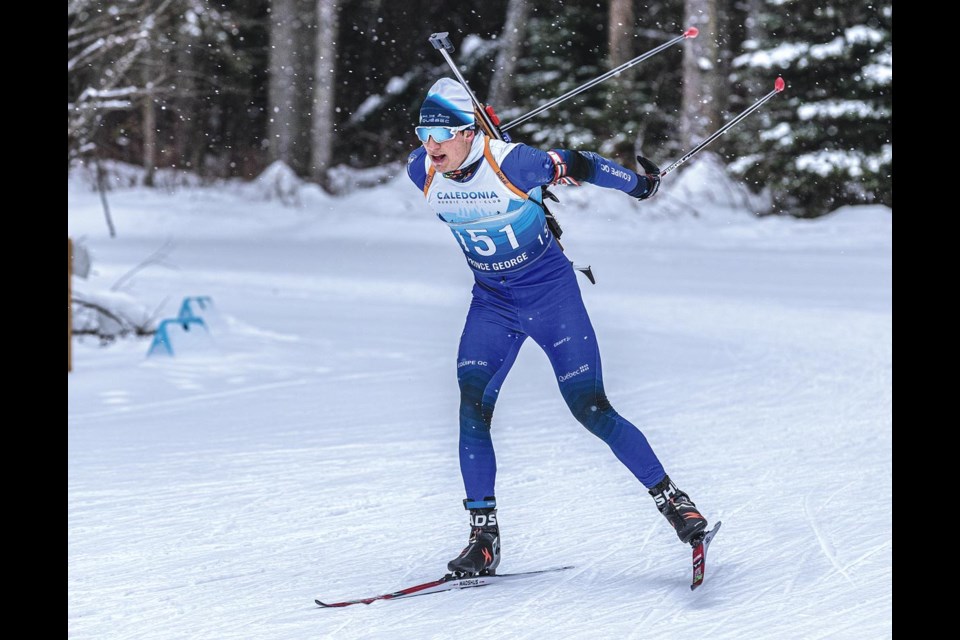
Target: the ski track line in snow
(535, 593)
(825, 545)
(643, 564)
(864, 556)
(180, 402)
(657, 605)
(789, 585)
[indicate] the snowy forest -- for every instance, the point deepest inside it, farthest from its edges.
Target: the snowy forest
(225, 89)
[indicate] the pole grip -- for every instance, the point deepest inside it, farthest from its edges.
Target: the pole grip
(442, 41)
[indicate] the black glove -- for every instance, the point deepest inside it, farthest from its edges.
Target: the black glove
(652, 174)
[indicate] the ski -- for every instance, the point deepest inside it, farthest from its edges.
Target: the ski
(700, 555)
(446, 583)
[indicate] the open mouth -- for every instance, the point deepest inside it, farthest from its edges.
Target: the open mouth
(438, 159)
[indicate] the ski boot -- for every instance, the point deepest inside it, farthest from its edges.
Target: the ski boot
(679, 510)
(482, 553)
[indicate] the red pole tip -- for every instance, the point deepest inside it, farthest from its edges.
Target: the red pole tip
(692, 32)
(778, 85)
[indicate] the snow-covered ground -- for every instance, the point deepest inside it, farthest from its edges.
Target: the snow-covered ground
(307, 447)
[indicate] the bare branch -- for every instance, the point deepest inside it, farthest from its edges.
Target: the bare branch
(157, 257)
(76, 6)
(80, 37)
(126, 325)
(103, 45)
(99, 309)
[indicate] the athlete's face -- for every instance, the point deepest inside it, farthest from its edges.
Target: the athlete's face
(449, 155)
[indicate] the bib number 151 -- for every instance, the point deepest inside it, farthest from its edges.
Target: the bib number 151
(483, 244)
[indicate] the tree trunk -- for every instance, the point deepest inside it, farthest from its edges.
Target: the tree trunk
(622, 87)
(755, 31)
(620, 31)
(700, 114)
(283, 115)
(188, 142)
(324, 92)
(511, 43)
(306, 45)
(149, 136)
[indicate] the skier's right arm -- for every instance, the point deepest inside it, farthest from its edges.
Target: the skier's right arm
(416, 168)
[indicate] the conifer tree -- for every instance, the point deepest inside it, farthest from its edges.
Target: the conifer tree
(826, 141)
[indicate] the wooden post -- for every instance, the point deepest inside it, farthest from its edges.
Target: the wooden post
(69, 305)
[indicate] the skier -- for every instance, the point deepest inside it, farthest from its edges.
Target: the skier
(489, 193)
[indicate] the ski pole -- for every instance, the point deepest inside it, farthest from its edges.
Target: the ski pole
(689, 33)
(441, 42)
(777, 88)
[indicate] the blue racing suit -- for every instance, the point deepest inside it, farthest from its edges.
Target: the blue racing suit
(524, 287)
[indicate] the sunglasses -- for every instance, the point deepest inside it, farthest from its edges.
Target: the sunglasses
(439, 134)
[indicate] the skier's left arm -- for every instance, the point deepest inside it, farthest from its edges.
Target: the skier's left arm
(528, 167)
